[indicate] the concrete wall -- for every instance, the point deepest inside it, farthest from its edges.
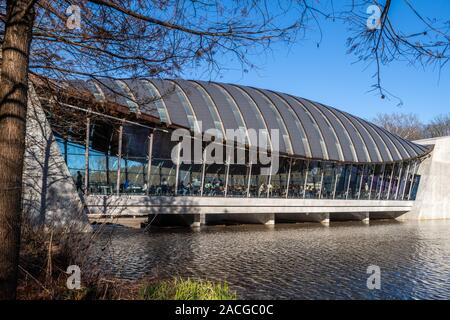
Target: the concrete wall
(49, 193)
(433, 194)
(135, 205)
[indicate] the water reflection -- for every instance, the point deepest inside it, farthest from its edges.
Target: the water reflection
(301, 261)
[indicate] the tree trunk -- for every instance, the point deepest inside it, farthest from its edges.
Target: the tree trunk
(13, 106)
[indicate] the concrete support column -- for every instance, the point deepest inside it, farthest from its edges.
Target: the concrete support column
(324, 219)
(227, 175)
(249, 179)
(119, 159)
(202, 184)
(149, 162)
(267, 218)
(198, 221)
(86, 155)
(177, 169)
(365, 217)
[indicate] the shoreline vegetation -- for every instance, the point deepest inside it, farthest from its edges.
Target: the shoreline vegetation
(118, 289)
(186, 289)
(45, 256)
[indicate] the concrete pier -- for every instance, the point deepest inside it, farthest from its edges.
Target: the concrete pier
(198, 220)
(325, 219)
(267, 219)
(366, 218)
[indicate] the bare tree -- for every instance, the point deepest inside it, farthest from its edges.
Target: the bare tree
(421, 40)
(13, 101)
(407, 126)
(439, 126)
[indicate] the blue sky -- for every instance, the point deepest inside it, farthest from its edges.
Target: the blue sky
(329, 75)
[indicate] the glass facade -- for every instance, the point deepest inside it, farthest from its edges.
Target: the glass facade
(121, 166)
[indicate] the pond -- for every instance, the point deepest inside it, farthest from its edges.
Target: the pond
(292, 261)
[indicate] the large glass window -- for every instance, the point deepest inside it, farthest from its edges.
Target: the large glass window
(73, 152)
(162, 180)
(313, 180)
(386, 182)
(278, 183)
(98, 173)
(308, 179)
(339, 173)
(259, 183)
(408, 166)
(379, 181)
(366, 180)
(329, 179)
(414, 186)
(343, 181)
(214, 184)
(189, 179)
(134, 175)
(375, 180)
(237, 180)
(298, 178)
(399, 182)
(413, 182)
(395, 180)
(355, 181)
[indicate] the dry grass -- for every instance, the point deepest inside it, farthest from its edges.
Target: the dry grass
(45, 255)
(186, 289)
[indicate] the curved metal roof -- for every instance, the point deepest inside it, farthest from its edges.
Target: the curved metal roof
(306, 128)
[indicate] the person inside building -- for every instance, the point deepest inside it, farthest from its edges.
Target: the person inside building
(79, 182)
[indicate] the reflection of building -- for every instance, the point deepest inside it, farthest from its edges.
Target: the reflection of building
(122, 146)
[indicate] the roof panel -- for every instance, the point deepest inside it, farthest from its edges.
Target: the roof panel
(312, 133)
(247, 108)
(272, 119)
(351, 151)
(298, 137)
(325, 130)
(307, 129)
(223, 106)
(174, 106)
(144, 97)
(199, 104)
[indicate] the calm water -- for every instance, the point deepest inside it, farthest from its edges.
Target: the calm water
(300, 261)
